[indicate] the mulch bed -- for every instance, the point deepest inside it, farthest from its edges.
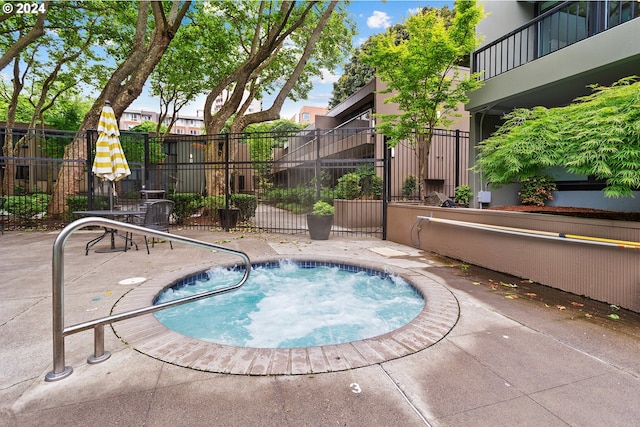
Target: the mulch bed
(571, 211)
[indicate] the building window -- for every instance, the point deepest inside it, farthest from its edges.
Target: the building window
(306, 117)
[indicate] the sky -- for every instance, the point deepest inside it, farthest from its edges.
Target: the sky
(371, 17)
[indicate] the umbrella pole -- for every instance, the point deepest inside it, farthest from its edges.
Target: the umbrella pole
(111, 196)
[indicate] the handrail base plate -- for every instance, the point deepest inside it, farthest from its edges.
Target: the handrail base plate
(53, 376)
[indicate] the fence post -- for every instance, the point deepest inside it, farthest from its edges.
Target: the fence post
(90, 185)
(386, 189)
(318, 166)
(145, 166)
(226, 171)
(457, 180)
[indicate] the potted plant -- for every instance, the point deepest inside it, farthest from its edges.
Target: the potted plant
(228, 217)
(320, 220)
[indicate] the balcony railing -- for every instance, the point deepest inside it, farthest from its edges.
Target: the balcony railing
(565, 24)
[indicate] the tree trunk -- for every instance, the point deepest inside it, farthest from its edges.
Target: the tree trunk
(424, 147)
(10, 149)
(124, 86)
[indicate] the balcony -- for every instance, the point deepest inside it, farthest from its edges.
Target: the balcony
(562, 26)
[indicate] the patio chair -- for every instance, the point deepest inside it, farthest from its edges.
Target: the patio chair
(156, 217)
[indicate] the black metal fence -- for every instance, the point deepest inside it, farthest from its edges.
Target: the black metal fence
(266, 181)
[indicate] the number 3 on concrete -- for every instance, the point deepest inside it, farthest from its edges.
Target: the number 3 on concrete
(355, 388)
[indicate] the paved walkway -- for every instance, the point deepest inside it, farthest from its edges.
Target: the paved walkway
(516, 356)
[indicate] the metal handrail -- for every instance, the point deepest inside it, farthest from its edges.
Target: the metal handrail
(61, 371)
(550, 235)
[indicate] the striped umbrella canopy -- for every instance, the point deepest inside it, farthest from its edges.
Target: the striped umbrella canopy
(109, 163)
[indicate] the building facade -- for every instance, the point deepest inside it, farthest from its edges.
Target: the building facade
(348, 133)
(307, 114)
(547, 54)
(184, 124)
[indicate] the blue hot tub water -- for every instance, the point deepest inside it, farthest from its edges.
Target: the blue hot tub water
(292, 304)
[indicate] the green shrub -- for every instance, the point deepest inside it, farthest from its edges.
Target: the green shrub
(246, 203)
(81, 203)
(361, 184)
(462, 195)
(275, 195)
(211, 205)
(322, 208)
(19, 190)
(370, 183)
(301, 196)
(27, 207)
(536, 190)
(372, 187)
(409, 185)
(185, 205)
(348, 186)
(328, 194)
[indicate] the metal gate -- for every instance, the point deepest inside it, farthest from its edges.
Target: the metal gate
(273, 179)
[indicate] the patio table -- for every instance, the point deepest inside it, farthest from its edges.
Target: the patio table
(117, 215)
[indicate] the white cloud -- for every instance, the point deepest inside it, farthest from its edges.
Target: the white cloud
(327, 78)
(379, 20)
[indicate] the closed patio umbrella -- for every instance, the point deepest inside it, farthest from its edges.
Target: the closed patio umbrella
(110, 163)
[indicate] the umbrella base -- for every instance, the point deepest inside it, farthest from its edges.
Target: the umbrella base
(112, 248)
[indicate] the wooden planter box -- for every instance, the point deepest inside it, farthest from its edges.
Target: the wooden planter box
(603, 273)
(358, 213)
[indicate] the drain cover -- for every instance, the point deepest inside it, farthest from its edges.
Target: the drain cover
(132, 281)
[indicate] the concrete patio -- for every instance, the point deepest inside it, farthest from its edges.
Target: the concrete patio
(524, 356)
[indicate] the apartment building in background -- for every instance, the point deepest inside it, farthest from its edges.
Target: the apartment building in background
(185, 124)
(547, 53)
(307, 114)
(347, 132)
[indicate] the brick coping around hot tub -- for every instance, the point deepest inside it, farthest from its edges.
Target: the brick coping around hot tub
(148, 336)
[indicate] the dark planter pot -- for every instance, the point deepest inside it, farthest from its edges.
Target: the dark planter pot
(319, 226)
(228, 217)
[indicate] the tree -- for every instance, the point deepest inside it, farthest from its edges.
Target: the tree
(422, 74)
(143, 34)
(358, 73)
(262, 139)
(66, 114)
(598, 135)
(279, 47)
(193, 55)
(48, 69)
(20, 30)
